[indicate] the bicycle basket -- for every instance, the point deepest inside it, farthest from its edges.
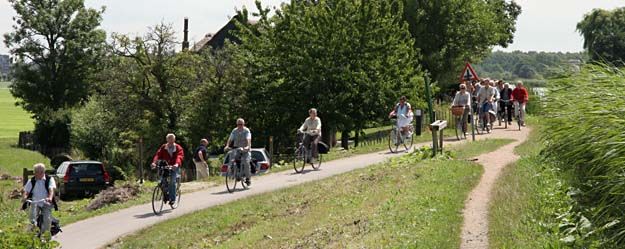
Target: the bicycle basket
(457, 110)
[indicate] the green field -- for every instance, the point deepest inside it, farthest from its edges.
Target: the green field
(405, 203)
(14, 118)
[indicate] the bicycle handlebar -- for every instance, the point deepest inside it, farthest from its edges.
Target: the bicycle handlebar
(39, 201)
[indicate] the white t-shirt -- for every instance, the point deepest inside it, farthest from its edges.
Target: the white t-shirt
(40, 190)
(484, 94)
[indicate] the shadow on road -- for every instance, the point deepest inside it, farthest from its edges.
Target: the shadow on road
(226, 191)
(150, 214)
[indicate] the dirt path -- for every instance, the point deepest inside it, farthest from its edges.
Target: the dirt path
(99, 231)
(475, 227)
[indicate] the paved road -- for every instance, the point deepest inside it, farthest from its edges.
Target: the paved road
(99, 231)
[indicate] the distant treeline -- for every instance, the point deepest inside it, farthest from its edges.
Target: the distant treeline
(535, 66)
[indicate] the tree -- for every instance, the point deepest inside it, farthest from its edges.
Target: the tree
(449, 32)
(57, 44)
(349, 59)
(604, 35)
(144, 83)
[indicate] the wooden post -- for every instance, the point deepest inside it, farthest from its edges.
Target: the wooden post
(141, 160)
(271, 151)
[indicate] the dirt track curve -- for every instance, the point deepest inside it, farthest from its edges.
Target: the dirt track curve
(97, 232)
(475, 226)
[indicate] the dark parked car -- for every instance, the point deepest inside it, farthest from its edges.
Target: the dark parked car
(81, 177)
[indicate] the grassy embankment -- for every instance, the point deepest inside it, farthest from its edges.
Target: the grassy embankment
(409, 201)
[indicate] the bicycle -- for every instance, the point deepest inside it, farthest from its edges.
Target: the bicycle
(486, 124)
(501, 113)
(461, 127)
(54, 223)
(303, 155)
(517, 113)
(161, 190)
(235, 171)
(396, 138)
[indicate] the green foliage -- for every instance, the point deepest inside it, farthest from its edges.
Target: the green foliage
(604, 35)
(510, 66)
(58, 47)
(585, 138)
(531, 205)
(349, 59)
(450, 32)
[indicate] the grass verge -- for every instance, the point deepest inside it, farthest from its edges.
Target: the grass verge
(13, 159)
(406, 202)
(527, 200)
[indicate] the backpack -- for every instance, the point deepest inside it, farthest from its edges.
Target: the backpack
(55, 224)
(33, 181)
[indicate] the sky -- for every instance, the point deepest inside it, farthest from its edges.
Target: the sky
(544, 25)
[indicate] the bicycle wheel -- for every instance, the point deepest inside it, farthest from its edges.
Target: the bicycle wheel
(299, 161)
(408, 141)
(458, 127)
(242, 177)
(478, 124)
(393, 141)
(178, 195)
(317, 164)
(158, 199)
(231, 179)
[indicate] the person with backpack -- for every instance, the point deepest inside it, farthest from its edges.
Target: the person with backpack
(200, 156)
(40, 187)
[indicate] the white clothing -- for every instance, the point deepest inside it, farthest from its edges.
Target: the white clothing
(40, 192)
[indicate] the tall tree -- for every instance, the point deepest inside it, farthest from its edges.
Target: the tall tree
(57, 44)
(350, 59)
(604, 35)
(448, 32)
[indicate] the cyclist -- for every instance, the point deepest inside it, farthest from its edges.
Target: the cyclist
(505, 103)
(463, 98)
(174, 155)
(485, 97)
(312, 128)
(403, 112)
(520, 98)
(241, 137)
(40, 187)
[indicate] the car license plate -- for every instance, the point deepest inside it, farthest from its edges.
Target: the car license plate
(87, 180)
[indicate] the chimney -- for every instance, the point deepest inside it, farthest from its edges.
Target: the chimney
(185, 42)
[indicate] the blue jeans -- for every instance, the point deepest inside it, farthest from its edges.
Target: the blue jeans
(173, 175)
(486, 106)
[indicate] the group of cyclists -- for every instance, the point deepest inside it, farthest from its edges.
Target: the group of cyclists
(172, 154)
(485, 97)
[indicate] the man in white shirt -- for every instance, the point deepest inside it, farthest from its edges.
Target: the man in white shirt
(41, 195)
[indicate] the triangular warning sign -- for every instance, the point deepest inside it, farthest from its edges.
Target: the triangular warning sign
(468, 73)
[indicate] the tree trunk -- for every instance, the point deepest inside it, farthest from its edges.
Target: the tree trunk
(356, 138)
(345, 139)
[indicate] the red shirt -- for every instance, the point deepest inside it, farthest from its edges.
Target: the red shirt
(520, 94)
(175, 158)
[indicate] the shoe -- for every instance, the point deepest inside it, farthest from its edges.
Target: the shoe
(248, 182)
(523, 125)
(172, 202)
(509, 122)
(239, 179)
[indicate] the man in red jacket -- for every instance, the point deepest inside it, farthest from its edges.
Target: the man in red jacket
(173, 154)
(520, 98)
